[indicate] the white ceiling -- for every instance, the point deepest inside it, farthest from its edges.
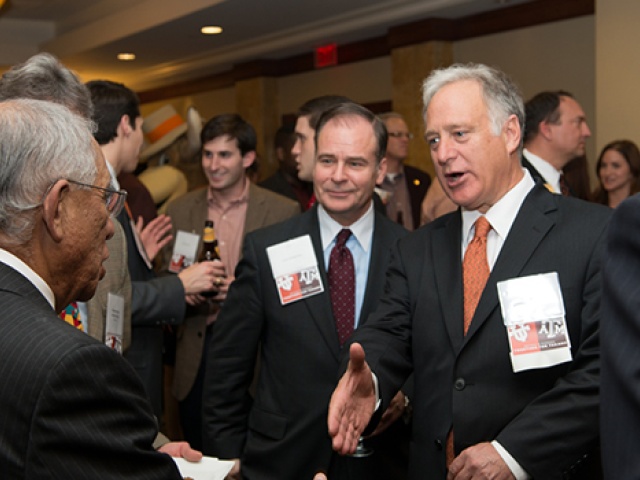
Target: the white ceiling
(165, 34)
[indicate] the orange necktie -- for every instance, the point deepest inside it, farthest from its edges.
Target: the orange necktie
(475, 272)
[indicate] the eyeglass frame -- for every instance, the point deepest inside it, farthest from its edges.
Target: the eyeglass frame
(108, 195)
(408, 135)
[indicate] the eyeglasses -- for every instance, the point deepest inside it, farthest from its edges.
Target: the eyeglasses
(113, 199)
(401, 134)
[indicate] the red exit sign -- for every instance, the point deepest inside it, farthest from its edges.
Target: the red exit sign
(326, 55)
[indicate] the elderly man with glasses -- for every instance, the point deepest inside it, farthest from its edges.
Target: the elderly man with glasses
(70, 408)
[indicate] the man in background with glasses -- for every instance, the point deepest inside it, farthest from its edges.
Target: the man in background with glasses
(403, 187)
(69, 407)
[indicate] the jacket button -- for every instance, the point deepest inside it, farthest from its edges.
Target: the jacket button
(438, 443)
(459, 384)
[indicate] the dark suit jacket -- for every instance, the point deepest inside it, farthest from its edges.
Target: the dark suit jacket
(70, 407)
(155, 301)
(547, 419)
(283, 435)
(620, 334)
(417, 184)
(189, 213)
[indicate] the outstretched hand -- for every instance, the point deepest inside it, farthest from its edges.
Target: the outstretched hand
(352, 403)
(181, 450)
(155, 235)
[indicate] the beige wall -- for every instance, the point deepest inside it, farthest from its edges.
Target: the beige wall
(618, 70)
(558, 55)
(554, 56)
(364, 82)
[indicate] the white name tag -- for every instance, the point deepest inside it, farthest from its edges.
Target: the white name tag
(185, 249)
(114, 325)
(295, 269)
(534, 316)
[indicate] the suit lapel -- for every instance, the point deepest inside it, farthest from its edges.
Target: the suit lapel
(530, 227)
(449, 283)
(380, 247)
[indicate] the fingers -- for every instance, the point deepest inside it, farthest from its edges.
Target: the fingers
(190, 454)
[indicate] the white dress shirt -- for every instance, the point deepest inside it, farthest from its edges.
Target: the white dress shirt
(550, 175)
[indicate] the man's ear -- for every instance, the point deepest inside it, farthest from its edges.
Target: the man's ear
(125, 126)
(512, 134)
(382, 171)
(248, 159)
(545, 129)
(53, 209)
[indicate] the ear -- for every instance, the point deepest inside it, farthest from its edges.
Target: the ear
(53, 208)
(279, 154)
(512, 134)
(545, 130)
(382, 171)
(125, 126)
(248, 159)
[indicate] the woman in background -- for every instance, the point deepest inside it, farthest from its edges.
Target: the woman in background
(618, 171)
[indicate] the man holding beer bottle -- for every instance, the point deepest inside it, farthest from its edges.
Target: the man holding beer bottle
(236, 207)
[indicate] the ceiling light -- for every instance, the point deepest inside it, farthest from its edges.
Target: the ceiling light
(126, 57)
(211, 30)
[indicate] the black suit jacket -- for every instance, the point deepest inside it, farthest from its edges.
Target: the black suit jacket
(283, 434)
(70, 407)
(547, 419)
(620, 334)
(155, 301)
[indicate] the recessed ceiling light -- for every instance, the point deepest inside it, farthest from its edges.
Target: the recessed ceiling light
(211, 30)
(126, 57)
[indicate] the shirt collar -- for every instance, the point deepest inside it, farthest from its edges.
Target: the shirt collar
(114, 177)
(25, 270)
(243, 198)
(361, 229)
(503, 213)
(548, 171)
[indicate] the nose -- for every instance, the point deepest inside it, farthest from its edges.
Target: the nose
(444, 152)
(297, 148)
(586, 132)
(338, 173)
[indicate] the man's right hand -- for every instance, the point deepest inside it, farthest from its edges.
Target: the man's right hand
(202, 276)
(352, 403)
(234, 473)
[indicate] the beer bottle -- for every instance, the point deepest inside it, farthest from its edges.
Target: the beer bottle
(209, 243)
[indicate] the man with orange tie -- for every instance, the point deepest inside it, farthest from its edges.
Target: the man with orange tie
(555, 133)
(493, 307)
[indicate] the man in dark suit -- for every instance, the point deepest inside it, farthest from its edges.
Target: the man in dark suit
(508, 389)
(555, 133)
(70, 407)
(282, 432)
(155, 301)
(620, 337)
(285, 180)
(404, 186)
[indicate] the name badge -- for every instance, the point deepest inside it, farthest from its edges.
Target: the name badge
(534, 316)
(295, 269)
(185, 249)
(114, 325)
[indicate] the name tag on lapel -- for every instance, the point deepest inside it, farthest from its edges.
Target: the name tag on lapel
(534, 316)
(295, 269)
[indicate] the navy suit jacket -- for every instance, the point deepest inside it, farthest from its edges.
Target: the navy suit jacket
(70, 407)
(546, 418)
(283, 433)
(620, 336)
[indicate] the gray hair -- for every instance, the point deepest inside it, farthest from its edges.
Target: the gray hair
(501, 95)
(40, 143)
(43, 77)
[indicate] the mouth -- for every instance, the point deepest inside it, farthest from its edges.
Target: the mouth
(454, 179)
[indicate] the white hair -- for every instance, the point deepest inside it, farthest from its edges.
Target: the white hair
(40, 143)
